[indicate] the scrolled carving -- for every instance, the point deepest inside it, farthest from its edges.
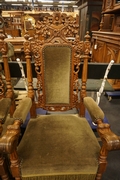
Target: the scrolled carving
(26, 43)
(87, 44)
(2, 87)
(111, 140)
(67, 26)
(3, 44)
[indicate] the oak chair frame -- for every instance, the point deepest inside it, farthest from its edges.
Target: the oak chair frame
(10, 139)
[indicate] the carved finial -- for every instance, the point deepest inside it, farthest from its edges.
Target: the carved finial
(2, 36)
(87, 36)
(26, 36)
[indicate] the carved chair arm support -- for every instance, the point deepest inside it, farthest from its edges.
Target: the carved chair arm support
(109, 139)
(9, 141)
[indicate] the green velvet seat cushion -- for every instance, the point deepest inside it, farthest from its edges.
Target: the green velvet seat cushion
(59, 147)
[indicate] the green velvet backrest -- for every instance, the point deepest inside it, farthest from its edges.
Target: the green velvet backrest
(57, 75)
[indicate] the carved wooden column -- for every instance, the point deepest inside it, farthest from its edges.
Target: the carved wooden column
(87, 48)
(9, 91)
(29, 74)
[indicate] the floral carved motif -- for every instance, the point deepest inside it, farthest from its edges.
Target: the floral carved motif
(66, 25)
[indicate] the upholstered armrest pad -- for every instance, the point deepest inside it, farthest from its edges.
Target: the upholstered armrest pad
(93, 109)
(22, 109)
(4, 108)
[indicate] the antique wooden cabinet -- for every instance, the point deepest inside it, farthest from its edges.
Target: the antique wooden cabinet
(106, 41)
(89, 16)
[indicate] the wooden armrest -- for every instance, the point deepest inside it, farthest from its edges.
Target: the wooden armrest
(93, 109)
(110, 140)
(9, 141)
(4, 108)
(22, 109)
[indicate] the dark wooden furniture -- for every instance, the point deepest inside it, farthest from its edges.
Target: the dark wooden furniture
(106, 40)
(56, 145)
(14, 24)
(89, 16)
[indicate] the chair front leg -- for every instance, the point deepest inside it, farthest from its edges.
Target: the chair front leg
(3, 168)
(15, 165)
(102, 162)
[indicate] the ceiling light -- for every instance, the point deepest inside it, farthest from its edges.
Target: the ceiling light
(16, 4)
(47, 5)
(75, 6)
(45, 1)
(63, 5)
(66, 2)
(10, 0)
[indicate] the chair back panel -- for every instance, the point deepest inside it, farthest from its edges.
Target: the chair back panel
(57, 73)
(57, 63)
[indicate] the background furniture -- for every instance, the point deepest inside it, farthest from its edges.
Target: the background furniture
(106, 41)
(89, 16)
(17, 43)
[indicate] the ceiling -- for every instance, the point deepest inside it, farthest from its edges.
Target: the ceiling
(38, 3)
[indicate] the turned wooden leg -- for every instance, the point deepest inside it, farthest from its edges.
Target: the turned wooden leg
(3, 169)
(102, 163)
(15, 166)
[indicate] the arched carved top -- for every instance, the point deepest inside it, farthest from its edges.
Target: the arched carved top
(57, 23)
(56, 29)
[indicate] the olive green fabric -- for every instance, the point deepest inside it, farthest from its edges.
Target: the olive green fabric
(4, 108)
(59, 147)
(8, 121)
(23, 109)
(93, 109)
(57, 68)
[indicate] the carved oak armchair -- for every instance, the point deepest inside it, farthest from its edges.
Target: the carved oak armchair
(59, 145)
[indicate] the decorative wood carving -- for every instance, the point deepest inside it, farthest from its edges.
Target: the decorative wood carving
(58, 35)
(50, 26)
(9, 90)
(2, 87)
(110, 142)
